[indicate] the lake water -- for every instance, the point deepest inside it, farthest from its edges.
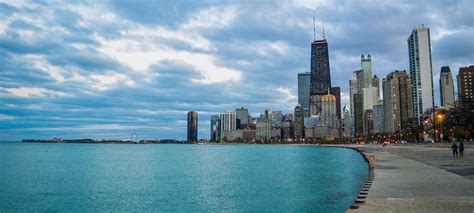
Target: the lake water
(175, 177)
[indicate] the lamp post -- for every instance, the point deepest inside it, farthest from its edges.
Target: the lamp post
(440, 118)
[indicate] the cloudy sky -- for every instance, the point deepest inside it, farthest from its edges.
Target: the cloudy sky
(107, 69)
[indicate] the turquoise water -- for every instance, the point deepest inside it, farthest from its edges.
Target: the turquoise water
(189, 178)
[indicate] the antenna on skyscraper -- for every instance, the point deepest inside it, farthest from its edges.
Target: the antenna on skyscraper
(324, 35)
(314, 27)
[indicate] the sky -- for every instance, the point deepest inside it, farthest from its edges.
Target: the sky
(107, 69)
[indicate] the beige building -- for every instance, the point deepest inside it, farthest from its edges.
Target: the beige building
(264, 129)
(328, 115)
(321, 132)
(397, 101)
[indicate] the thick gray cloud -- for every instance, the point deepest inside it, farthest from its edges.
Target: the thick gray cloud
(95, 69)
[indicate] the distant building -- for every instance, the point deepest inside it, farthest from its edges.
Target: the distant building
(268, 114)
(228, 122)
(354, 89)
(368, 121)
(215, 128)
(320, 80)
(304, 91)
(287, 130)
(276, 133)
(421, 73)
(311, 122)
(277, 118)
(264, 129)
(249, 135)
(358, 114)
(327, 123)
(315, 104)
(346, 123)
(288, 117)
(446, 87)
(396, 99)
(336, 91)
(378, 117)
(370, 97)
(230, 136)
(299, 122)
(328, 111)
(321, 132)
(242, 118)
(192, 126)
(465, 80)
(376, 84)
(366, 66)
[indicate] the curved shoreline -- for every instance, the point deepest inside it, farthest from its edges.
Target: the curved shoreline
(370, 159)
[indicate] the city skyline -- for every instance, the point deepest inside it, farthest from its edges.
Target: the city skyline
(97, 79)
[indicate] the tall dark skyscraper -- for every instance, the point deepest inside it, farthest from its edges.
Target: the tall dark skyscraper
(320, 72)
(192, 126)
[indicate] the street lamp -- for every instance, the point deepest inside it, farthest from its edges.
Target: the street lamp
(440, 118)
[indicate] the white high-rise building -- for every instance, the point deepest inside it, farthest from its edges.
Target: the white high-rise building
(228, 121)
(421, 72)
(370, 97)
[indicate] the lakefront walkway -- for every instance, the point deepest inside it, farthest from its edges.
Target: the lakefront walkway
(419, 178)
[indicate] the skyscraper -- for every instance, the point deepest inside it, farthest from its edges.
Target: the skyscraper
(466, 85)
(320, 81)
(228, 122)
(215, 128)
(376, 84)
(320, 72)
(336, 91)
(264, 129)
(366, 66)
(192, 126)
(368, 121)
(346, 123)
(242, 118)
(378, 117)
(358, 114)
(277, 118)
(397, 101)
(353, 89)
(421, 73)
(299, 121)
(268, 114)
(370, 97)
(304, 91)
(446, 87)
(328, 111)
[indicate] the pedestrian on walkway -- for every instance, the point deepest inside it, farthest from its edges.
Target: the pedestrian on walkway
(454, 147)
(461, 149)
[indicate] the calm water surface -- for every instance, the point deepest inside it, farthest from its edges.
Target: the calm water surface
(116, 177)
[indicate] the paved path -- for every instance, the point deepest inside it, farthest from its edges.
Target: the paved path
(406, 185)
(438, 155)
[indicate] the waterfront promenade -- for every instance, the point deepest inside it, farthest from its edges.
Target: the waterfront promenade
(419, 178)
